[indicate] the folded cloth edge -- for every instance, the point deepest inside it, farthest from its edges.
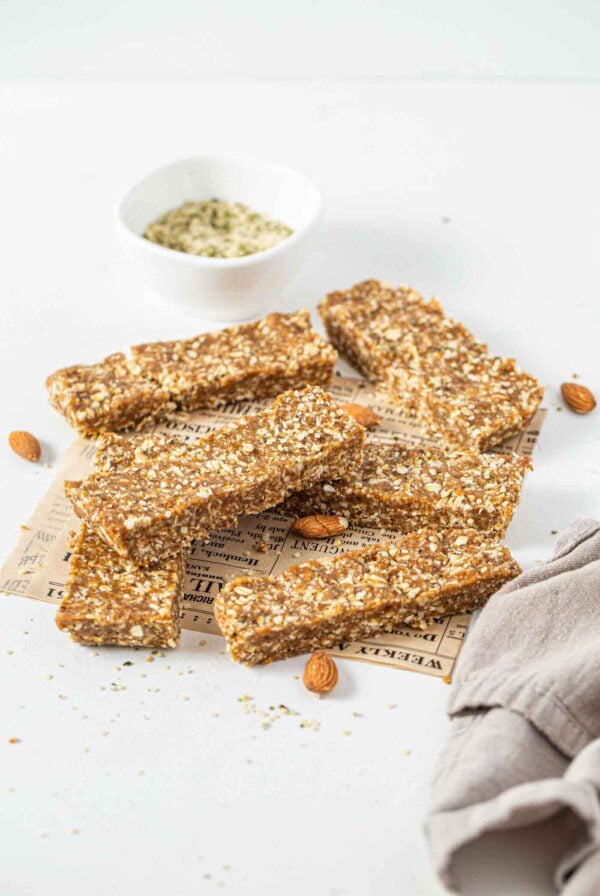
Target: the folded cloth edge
(541, 707)
(522, 805)
(580, 530)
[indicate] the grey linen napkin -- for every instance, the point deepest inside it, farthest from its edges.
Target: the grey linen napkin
(524, 703)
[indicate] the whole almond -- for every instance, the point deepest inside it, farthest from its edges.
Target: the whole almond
(363, 415)
(25, 445)
(579, 398)
(320, 673)
(319, 526)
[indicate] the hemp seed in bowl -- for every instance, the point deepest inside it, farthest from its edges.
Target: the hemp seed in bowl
(216, 229)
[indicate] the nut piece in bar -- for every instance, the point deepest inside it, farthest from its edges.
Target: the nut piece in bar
(106, 396)
(406, 489)
(109, 600)
(361, 593)
(249, 361)
(147, 512)
(431, 364)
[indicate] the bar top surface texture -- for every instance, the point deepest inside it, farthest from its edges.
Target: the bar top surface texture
(361, 593)
(401, 488)
(248, 361)
(106, 396)
(248, 466)
(462, 394)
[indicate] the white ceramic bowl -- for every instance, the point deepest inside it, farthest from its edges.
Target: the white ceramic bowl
(220, 288)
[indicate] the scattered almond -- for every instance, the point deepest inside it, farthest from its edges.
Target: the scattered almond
(320, 673)
(579, 398)
(25, 445)
(319, 526)
(363, 415)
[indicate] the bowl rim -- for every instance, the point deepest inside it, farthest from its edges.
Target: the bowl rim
(204, 261)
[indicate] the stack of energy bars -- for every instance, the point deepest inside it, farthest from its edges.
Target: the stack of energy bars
(149, 496)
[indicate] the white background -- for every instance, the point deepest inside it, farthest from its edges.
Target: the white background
(484, 193)
(525, 39)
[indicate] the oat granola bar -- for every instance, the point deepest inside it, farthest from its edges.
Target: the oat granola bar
(106, 396)
(249, 361)
(431, 364)
(148, 512)
(404, 489)
(110, 600)
(361, 593)
(107, 598)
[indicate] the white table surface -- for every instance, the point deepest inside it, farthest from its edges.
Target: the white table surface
(485, 195)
